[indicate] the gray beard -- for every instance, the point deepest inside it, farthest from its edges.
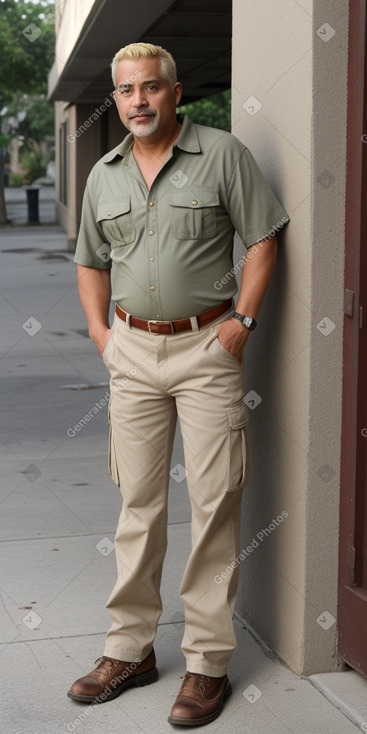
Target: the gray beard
(141, 131)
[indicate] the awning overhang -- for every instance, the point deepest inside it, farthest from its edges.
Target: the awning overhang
(197, 33)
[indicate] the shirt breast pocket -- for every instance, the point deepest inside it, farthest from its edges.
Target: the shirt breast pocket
(114, 216)
(193, 213)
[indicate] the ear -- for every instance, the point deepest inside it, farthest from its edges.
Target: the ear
(177, 89)
(114, 94)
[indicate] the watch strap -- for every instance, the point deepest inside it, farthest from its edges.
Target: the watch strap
(247, 321)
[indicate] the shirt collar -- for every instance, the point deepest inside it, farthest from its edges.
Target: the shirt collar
(187, 140)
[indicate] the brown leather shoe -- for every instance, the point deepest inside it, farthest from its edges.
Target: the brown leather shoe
(111, 677)
(200, 699)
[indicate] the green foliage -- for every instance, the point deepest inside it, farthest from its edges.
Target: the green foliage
(27, 40)
(39, 121)
(15, 179)
(214, 111)
(34, 164)
(4, 141)
(26, 47)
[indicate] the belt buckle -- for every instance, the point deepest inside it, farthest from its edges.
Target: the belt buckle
(153, 321)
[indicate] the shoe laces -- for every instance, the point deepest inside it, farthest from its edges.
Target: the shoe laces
(104, 659)
(203, 680)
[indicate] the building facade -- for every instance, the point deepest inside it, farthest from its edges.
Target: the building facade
(298, 99)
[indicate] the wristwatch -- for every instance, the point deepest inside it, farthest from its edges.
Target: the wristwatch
(246, 321)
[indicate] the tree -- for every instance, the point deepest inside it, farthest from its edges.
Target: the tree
(214, 111)
(27, 41)
(39, 120)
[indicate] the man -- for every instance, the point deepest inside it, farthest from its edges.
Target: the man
(159, 215)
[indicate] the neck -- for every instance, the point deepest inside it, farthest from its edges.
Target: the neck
(156, 147)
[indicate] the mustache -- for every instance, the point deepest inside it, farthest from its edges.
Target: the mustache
(143, 111)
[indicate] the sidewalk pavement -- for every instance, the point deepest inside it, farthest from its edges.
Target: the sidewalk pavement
(59, 511)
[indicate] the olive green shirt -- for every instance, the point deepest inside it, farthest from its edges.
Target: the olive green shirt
(170, 248)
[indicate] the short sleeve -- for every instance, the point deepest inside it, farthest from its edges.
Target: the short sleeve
(91, 247)
(253, 207)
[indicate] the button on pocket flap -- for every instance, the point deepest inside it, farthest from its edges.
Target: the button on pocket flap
(195, 198)
(238, 415)
(111, 208)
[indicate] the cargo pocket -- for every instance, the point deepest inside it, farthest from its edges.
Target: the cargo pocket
(238, 469)
(193, 215)
(114, 216)
(112, 459)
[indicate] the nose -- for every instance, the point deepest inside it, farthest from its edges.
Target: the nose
(139, 98)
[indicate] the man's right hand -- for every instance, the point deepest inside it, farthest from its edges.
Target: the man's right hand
(95, 296)
(101, 339)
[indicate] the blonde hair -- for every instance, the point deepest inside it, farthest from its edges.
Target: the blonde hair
(147, 50)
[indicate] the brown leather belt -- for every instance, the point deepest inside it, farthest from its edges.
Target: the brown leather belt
(171, 327)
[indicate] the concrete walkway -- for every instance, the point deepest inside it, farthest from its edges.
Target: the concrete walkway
(59, 511)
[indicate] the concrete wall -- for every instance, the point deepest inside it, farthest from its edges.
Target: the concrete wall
(296, 67)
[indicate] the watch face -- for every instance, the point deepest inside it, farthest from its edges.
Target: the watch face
(247, 321)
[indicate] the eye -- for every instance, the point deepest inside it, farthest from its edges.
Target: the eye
(152, 86)
(124, 90)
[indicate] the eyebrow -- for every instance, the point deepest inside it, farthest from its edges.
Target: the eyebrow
(148, 81)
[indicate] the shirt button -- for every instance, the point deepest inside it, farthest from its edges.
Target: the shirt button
(152, 287)
(151, 203)
(194, 202)
(150, 231)
(152, 259)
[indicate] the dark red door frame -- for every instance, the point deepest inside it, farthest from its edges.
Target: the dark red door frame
(352, 615)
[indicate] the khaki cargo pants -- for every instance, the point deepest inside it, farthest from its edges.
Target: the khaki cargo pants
(154, 378)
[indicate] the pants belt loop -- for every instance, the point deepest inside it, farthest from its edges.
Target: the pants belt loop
(128, 317)
(194, 323)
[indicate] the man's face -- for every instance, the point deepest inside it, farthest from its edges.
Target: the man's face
(145, 101)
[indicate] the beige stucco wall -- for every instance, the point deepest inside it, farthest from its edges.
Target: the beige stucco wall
(70, 19)
(290, 577)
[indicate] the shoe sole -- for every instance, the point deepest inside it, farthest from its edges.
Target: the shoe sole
(145, 679)
(207, 719)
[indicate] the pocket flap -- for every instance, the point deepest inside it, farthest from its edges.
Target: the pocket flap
(111, 208)
(238, 415)
(195, 198)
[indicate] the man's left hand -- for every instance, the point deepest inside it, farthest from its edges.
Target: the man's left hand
(232, 335)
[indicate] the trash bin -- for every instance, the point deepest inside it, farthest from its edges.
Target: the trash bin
(32, 203)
